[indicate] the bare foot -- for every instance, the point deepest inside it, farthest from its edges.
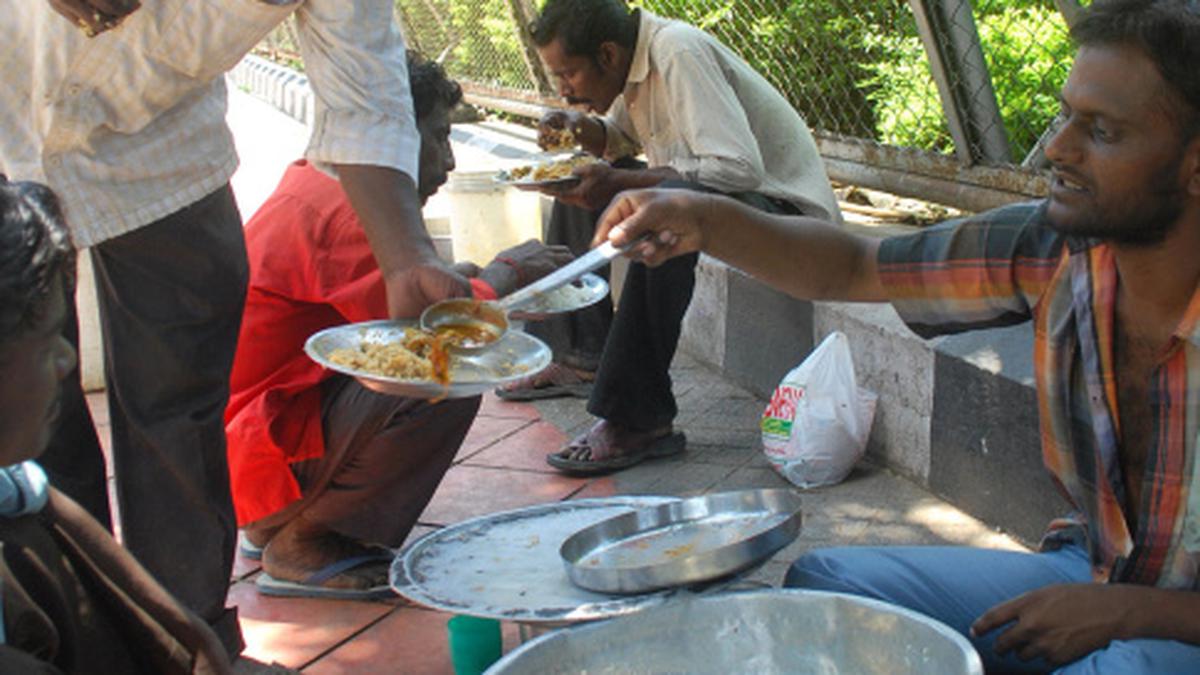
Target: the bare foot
(301, 549)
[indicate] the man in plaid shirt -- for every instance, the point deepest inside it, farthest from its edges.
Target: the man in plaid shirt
(1108, 269)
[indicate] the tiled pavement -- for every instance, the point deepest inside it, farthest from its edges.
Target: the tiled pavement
(501, 466)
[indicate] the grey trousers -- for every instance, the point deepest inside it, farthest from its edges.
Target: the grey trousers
(384, 458)
(170, 297)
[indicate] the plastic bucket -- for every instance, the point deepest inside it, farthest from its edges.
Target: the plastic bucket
(487, 217)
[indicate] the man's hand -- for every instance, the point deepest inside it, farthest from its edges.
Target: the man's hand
(414, 288)
(675, 217)
(598, 184)
(467, 268)
(1062, 623)
(523, 264)
(587, 131)
(95, 16)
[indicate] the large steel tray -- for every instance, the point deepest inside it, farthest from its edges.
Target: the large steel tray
(506, 565)
(685, 542)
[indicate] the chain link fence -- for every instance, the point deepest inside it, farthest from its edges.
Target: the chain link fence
(926, 89)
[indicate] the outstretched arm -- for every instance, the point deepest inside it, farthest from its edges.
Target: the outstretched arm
(804, 257)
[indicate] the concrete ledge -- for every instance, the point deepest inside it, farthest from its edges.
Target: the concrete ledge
(282, 87)
(956, 414)
(985, 443)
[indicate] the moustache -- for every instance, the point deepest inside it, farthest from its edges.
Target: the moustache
(578, 101)
(1070, 174)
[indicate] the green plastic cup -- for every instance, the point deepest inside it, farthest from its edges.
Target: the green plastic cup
(475, 643)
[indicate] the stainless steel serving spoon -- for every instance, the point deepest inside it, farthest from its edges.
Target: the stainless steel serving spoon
(475, 324)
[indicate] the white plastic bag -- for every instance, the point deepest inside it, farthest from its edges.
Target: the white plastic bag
(817, 424)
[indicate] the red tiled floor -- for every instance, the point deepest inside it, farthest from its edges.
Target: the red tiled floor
(295, 631)
(470, 491)
(525, 449)
(243, 566)
(496, 407)
(486, 430)
(410, 640)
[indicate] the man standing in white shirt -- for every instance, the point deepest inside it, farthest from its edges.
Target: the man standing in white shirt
(121, 111)
(706, 121)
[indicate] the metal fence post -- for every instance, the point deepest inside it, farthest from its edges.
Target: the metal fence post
(947, 30)
(1036, 158)
(1070, 9)
(523, 14)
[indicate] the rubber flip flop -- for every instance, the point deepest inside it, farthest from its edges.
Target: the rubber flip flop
(249, 551)
(663, 446)
(312, 586)
(547, 391)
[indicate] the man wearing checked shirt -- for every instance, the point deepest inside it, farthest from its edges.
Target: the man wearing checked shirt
(121, 110)
(1108, 269)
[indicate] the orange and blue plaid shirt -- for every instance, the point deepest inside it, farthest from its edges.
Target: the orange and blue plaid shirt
(1007, 266)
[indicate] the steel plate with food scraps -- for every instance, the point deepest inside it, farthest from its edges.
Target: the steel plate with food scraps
(506, 565)
(375, 353)
(585, 291)
(685, 542)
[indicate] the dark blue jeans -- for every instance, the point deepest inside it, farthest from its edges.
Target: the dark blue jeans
(957, 584)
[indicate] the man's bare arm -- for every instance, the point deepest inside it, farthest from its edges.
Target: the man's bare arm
(387, 204)
(599, 183)
(804, 257)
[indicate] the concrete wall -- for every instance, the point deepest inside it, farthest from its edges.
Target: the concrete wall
(956, 414)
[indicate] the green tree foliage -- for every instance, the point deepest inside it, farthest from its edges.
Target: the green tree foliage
(811, 50)
(852, 67)
(1027, 51)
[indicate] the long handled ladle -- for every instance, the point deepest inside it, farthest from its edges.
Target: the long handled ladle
(474, 325)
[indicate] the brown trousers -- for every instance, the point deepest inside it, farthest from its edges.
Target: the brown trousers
(384, 458)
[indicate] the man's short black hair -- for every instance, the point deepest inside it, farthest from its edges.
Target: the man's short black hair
(1167, 31)
(583, 25)
(429, 84)
(35, 251)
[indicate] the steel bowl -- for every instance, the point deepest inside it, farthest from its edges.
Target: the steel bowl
(763, 632)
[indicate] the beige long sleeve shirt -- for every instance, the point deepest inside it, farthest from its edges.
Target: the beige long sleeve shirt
(695, 106)
(129, 126)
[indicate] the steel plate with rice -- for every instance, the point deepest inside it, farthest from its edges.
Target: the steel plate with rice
(514, 356)
(549, 172)
(585, 291)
